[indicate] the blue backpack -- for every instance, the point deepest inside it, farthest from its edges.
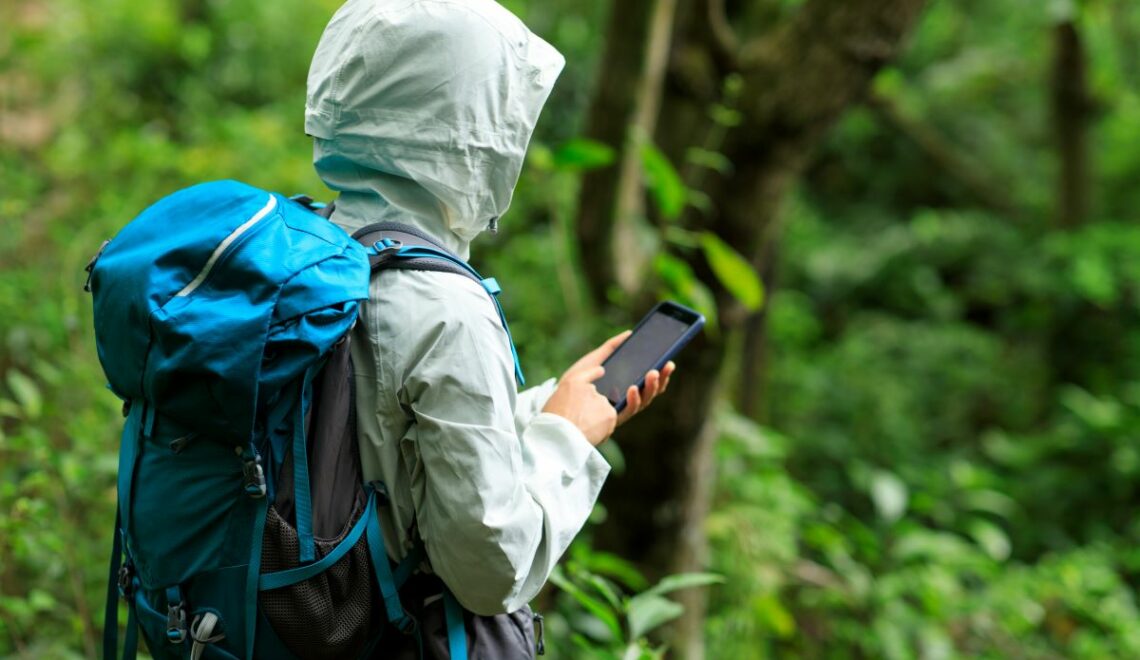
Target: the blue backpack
(222, 318)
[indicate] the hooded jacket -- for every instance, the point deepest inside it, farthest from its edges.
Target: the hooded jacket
(421, 112)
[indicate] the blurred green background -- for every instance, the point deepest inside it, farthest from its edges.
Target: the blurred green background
(912, 428)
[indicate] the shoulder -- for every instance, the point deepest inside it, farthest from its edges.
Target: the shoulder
(425, 309)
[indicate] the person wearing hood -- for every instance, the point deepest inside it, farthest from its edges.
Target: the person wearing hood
(421, 112)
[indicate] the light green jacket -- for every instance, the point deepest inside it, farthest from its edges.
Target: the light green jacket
(421, 111)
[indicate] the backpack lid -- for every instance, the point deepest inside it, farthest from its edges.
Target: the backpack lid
(217, 296)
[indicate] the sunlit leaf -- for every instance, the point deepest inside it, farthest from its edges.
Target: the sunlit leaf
(582, 154)
(647, 611)
(772, 613)
(889, 494)
(26, 393)
(684, 581)
(733, 271)
(598, 608)
(991, 538)
(683, 284)
(664, 183)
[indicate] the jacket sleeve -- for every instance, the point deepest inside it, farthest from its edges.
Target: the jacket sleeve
(499, 503)
(530, 403)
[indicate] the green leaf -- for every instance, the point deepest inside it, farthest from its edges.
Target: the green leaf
(774, 616)
(991, 538)
(889, 494)
(665, 185)
(27, 394)
(582, 154)
(606, 590)
(605, 563)
(681, 283)
(713, 160)
(600, 610)
(684, 581)
(734, 272)
(725, 116)
(647, 611)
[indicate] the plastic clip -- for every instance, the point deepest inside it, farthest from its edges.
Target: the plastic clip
(540, 636)
(126, 581)
(176, 623)
(386, 246)
(253, 477)
(408, 624)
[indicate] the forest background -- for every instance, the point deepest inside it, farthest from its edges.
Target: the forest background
(911, 427)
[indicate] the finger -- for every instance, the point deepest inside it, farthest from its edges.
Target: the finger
(632, 404)
(599, 354)
(666, 374)
(651, 387)
(590, 374)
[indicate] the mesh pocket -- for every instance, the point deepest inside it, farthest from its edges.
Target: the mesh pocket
(329, 615)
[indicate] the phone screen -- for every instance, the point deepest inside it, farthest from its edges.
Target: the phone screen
(640, 353)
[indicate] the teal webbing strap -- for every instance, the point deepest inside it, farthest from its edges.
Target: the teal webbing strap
(489, 284)
(383, 570)
(290, 576)
(111, 612)
(301, 493)
(131, 643)
(176, 631)
(253, 572)
(408, 564)
(129, 452)
(456, 634)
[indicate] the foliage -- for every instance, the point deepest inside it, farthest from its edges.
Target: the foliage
(609, 624)
(946, 460)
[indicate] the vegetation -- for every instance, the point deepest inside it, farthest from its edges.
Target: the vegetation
(911, 431)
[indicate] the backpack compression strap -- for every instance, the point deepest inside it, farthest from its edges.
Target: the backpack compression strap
(396, 246)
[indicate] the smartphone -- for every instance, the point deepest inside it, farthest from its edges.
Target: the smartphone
(657, 339)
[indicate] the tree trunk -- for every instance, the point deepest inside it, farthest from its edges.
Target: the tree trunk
(797, 80)
(1072, 111)
(624, 80)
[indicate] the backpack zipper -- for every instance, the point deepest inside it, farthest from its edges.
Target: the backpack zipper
(221, 248)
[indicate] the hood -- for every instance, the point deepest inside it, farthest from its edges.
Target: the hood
(421, 112)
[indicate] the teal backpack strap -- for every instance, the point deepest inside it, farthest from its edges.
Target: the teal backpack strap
(111, 613)
(302, 494)
(120, 584)
(381, 565)
(392, 245)
(456, 634)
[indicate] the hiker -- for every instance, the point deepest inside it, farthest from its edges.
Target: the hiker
(421, 111)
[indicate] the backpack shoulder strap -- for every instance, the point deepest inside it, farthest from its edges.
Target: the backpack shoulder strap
(429, 255)
(396, 246)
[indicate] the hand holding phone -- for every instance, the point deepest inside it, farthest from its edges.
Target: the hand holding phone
(656, 340)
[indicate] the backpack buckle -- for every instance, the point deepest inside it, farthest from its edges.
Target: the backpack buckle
(126, 581)
(385, 247)
(253, 477)
(176, 623)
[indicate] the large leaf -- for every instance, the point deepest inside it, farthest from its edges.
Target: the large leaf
(684, 581)
(665, 185)
(647, 611)
(733, 271)
(582, 154)
(682, 283)
(599, 609)
(26, 393)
